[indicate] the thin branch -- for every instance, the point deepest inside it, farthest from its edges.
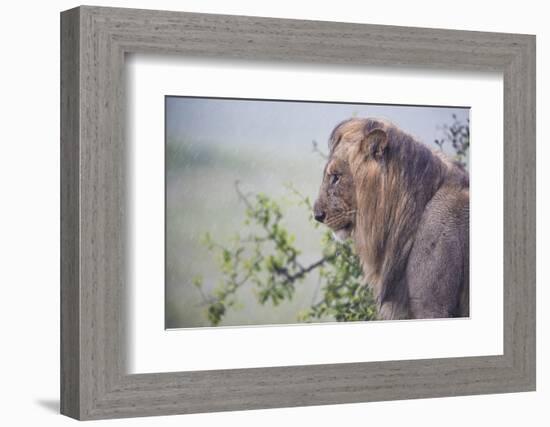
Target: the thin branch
(205, 300)
(317, 150)
(303, 199)
(303, 271)
(209, 300)
(317, 289)
(242, 196)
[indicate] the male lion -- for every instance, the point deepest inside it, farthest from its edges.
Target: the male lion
(407, 209)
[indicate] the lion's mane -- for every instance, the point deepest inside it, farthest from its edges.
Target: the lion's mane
(392, 196)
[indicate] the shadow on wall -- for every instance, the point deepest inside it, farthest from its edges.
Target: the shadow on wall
(52, 405)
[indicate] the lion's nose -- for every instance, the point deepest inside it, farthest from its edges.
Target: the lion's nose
(319, 216)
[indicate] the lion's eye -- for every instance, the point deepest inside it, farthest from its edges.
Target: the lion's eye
(334, 179)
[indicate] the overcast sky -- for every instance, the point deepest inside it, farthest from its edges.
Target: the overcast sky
(291, 122)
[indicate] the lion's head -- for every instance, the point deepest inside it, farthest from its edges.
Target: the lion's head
(336, 205)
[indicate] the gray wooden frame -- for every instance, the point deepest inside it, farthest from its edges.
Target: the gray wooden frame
(94, 382)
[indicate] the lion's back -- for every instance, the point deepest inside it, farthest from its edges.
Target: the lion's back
(438, 267)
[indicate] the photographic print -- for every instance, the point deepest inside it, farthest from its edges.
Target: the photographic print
(285, 212)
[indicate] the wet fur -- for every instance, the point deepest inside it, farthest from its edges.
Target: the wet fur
(410, 218)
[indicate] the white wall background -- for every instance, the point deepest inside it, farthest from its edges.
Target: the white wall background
(29, 214)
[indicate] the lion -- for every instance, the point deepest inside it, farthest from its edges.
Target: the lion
(406, 208)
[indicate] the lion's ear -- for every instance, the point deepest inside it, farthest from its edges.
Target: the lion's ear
(375, 143)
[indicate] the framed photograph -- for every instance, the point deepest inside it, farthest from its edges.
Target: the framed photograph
(261, 213)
